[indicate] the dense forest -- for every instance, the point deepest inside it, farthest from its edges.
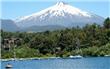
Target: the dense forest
(90, 40)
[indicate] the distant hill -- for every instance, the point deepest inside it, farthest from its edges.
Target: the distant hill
(8, 25)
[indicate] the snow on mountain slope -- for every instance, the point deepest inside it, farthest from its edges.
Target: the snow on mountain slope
(60, 14)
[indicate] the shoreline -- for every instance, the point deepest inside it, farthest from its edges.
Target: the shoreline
(36, 58)
(21, 59)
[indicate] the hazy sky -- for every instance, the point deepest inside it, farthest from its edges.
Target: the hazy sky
(12, 9)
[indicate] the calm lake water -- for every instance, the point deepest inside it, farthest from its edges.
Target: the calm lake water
(84, 63)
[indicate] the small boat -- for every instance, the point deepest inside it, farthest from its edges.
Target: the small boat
(8, 66)
(107, 55)
(21, 59)
(76, 57)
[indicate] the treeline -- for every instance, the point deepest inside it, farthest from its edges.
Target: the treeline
(91, 40)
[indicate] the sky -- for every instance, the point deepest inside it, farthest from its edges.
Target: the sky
(13, 9)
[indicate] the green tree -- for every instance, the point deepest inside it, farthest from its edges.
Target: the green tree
(107, 23)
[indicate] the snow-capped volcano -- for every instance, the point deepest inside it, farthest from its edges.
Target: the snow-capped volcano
(61, 14)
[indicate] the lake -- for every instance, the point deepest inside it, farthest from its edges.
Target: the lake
(83, 63)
